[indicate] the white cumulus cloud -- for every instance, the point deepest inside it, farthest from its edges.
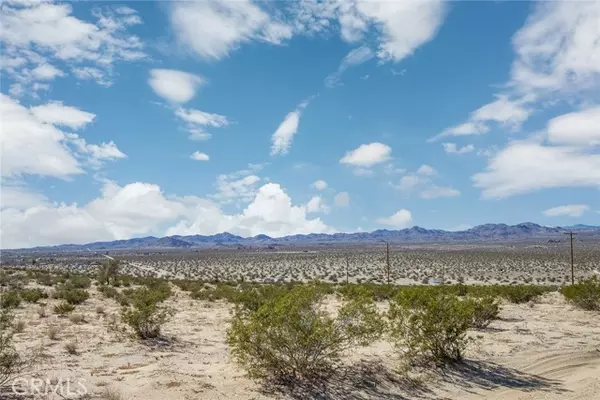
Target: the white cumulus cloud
(528, 166)
(452, 148)
(212, 29)
(580, 128)
(174, 86)
(56, 113)
(198, 156)
(320, 184)
(367, 155)
(281, 141)
(557, 57)
(32, 143)
(36, 35)
(570, 210)
(121, 212)
(400, 219)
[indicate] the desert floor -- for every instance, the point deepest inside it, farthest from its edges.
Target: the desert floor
(542, 350)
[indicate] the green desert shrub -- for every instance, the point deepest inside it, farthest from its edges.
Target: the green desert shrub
(159, 287)
(10, 361)
(188, 285)
(71, 294)
(585, 294)
(12, 280)
(80, 281)
(432, 326)
(485, 310)
(10, 299)
(109, 291)
(144, 314)
(63, 308)
(33, 295)
(46, 279)
(519, 294)
(220, 292)
(376, 292)
(290, 336)
(251, 298)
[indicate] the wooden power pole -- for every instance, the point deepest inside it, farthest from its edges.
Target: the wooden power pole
(387, 258)
(571, 233)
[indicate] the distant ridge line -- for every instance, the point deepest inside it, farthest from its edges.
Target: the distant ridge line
(416, 234)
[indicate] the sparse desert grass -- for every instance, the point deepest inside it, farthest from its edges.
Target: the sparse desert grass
(63, 309)
(41, 311)
(19, 326)
(112, 394)
(77, 318)
(53, 332)
(71, 347)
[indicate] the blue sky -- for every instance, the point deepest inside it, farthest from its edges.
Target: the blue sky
(153, 118)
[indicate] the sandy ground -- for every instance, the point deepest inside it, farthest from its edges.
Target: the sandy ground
(547, 350)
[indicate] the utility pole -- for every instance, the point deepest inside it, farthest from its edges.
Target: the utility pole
(570, 233)
(387, 257)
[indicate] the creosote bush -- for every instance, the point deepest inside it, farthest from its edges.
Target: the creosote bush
(432, 326)
(585, 294)
(291, 337)
(71, 294)
(80, 281)
(10, 299)
(485, 310)
(33, 295)
(144, 314)
(10, 361)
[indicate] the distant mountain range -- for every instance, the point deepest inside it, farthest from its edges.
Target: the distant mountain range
(481, 233)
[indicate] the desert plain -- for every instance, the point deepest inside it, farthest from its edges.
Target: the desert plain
(543, 349)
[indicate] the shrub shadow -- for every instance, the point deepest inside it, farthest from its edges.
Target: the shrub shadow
(359, 381)
(470, 375)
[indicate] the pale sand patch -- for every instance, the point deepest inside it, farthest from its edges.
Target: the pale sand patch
(549, 350)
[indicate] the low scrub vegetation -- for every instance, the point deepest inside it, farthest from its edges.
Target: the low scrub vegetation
(485, 310)
(432, 326)
(585, 294)
(290, 337)
(10, 299)
(71, 294)
(10, 361)
(144, 314)
(33, 295)
(63, 308)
